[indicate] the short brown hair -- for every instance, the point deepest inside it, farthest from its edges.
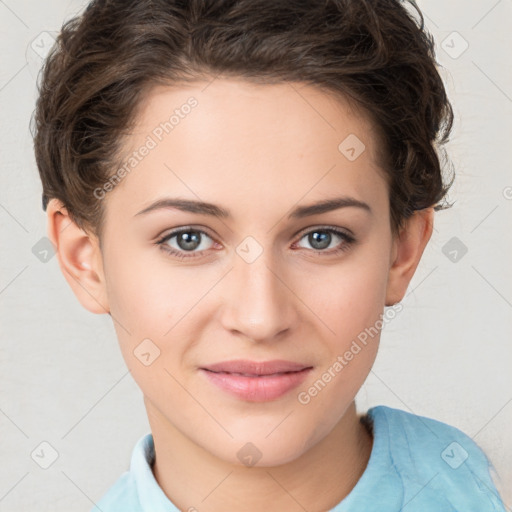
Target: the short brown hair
(375, 54)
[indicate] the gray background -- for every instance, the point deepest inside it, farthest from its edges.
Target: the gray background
(447, 355)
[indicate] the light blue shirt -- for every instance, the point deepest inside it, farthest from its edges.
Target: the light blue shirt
(417, 464)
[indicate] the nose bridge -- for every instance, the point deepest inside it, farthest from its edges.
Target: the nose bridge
(260, 305)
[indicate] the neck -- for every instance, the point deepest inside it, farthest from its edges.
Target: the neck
(316, 481)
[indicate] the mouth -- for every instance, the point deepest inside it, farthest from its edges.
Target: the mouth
(256, 381)
(257, 375)
(256, 368)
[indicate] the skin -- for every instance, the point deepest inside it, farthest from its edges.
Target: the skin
(259, 151)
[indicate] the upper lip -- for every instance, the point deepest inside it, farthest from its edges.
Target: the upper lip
(256, 367)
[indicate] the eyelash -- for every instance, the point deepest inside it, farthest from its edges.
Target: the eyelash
(348, 240)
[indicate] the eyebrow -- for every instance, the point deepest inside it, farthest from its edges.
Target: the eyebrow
(200, 207)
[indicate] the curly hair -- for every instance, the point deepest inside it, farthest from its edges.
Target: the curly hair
(374, 54)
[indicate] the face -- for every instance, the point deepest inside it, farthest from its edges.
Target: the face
(188, 290)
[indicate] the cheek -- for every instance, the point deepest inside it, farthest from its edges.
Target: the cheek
(152, 300)
(140, 303)
(352, 307)
(350, 297)
(142, 290)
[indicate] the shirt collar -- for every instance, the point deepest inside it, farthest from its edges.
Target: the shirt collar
(380, 475)
(151, 496)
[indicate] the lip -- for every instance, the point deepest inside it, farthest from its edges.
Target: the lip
(256, 368)
(256, 381)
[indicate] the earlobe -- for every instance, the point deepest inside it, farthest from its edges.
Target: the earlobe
(79, 258)
(408, 248)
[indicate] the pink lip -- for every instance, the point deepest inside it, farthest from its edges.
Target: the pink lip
(256, 368)
(256, 381)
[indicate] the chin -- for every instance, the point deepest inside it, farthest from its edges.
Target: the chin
(257, 450)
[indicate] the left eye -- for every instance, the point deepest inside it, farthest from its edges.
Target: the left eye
(322, 238)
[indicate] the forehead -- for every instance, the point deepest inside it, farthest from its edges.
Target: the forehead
(260, 142)
(255, 109)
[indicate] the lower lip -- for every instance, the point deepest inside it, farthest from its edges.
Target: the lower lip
(257, 389)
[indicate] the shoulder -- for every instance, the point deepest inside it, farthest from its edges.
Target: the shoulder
(125, 493)
(121, 497)
(435, 460)
(137, 490)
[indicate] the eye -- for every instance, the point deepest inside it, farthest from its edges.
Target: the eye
(321, 238)
(187, 241)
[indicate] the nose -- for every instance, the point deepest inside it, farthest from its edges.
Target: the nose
(259, 303)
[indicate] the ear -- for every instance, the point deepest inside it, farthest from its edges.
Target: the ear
(79, 258)
(408, 247)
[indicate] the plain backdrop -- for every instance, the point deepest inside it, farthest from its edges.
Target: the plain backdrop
(67, 400)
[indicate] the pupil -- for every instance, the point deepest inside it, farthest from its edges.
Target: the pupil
(313, 239)
(187, 241)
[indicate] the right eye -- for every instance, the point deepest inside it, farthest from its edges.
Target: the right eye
(187, 240)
